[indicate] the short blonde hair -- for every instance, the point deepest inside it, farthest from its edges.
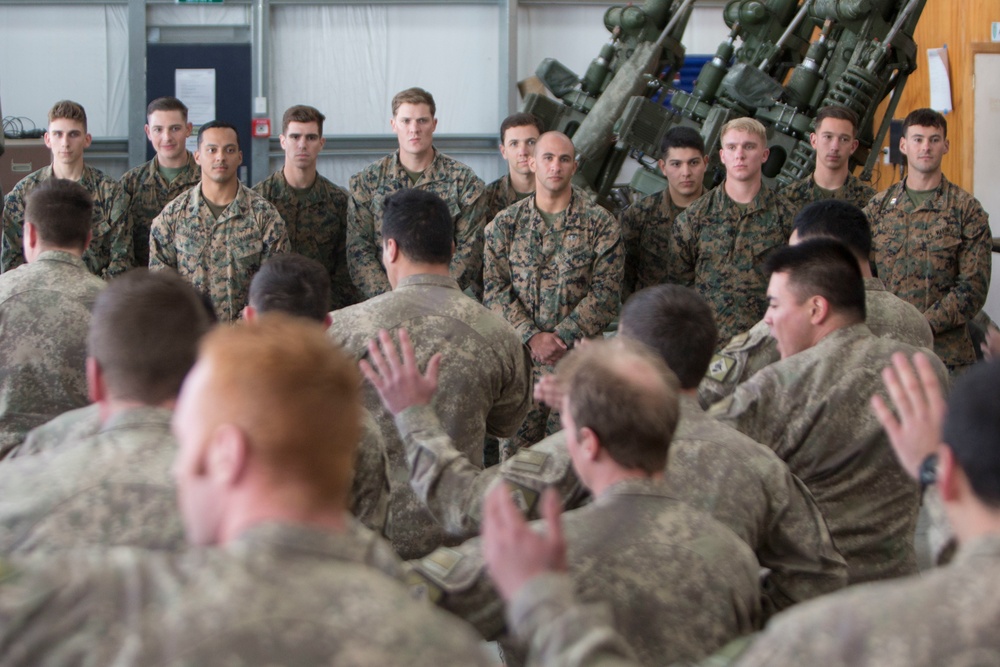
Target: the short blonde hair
(295, 395)
(748, 125)
(69, 110)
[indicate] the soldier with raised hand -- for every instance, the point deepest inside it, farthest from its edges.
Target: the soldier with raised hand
(110, 250)
(553, 268)
(217, 235)
(173, 169)
(886, 314)
(314, 209)
(113, 487)
(835, 139)
(647, 224)
(719, 243)
(931, 241)
(518, 134)
(45, 312)
(416, 164)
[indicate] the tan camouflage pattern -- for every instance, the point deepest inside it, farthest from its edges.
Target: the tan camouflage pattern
(110, 250)
(66, 430)
(316, 221)
(646, 231)
(887, 316)
(446, 177)
(219, 257)
(370, 486)
(483, 387)
(113, 488)
(946, 616)
(813, 410)
(148, 192)
(44, 317)
(680, 584)
(804, 191)
(937, 257)
(280, 594)
(719, 250)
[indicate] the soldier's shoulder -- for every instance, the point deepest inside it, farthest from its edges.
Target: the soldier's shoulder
(25, 185)
(269, 186)
(134, 176)
(371, 175)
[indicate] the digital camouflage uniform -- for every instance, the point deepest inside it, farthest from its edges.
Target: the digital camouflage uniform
(804, 191)
(451, 180)
(498, 195)
(646, 230)
(110, 250)
(316, 220)
(148, 192)
(886, 315)
(278, 594)
(812, 409)
(66, 430)
(936, 256)
(219, 257)
(484, 382)
(719, 250)
(113, 488)
(712, 467)
(564, 279)
(44, 319)
(681, 585)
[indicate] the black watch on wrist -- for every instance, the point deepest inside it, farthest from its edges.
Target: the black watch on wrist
(927, 473)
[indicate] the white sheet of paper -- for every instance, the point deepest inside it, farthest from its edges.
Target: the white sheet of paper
(937, 70)
(196, 89)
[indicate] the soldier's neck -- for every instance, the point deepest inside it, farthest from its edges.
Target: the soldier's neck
(71, 172)
(742, 192)
(522, 183)
(921, 182)
(220, 194)
(110, 407)
(553, 202)
(417, 163)
(299, 178)
(829, 179)
(173, 163)
(683, 201)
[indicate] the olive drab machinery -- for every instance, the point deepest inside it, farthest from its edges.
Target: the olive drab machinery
(781, 62)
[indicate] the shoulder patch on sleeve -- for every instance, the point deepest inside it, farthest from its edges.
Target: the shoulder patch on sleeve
(441, 562)
(524, 498)
(720, 367)
(529, 461)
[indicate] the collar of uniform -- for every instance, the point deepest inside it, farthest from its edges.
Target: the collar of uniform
(61, 256)
(139, 415)
(428, 279)
(351, 544)
(934, 201)
(635, 487)
(874, 284)
(153, 166)
(986, 546)
(842, 334)
(763, 200)
(429, 174)
(690, 409)
(88, 179)
(242, 200)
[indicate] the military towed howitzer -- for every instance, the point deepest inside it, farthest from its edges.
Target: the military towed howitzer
(644, 50)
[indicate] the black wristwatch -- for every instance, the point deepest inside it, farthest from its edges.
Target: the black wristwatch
(927, 473)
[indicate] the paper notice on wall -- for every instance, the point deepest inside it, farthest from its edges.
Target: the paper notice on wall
(937, 70)
(196, 89)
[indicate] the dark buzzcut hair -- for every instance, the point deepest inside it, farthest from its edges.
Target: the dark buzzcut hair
(62, 211)
(839, 220)
(520, 119)
(167, 104)
(144, 334)
(822, 267)
(293, 284)
(972, 430)
(420, 224)
(633, 418)
(218, 125)
(302, 113)
(837, 113)
(682, 137)
(925, 118)
(413, 96)
(677, 323)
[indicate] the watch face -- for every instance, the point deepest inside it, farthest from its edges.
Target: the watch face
(928, 471)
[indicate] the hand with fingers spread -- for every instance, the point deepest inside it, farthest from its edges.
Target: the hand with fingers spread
(515, 553)
(919, 401)
(399, 382)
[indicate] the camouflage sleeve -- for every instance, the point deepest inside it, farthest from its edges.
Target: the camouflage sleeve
(515, 399)
(595, 311)
(467, 262)
(683, 250)
(968, 295)
(162, 250)
(631, 233)
(275, 236)
(12, 250)
(747, 410)
(120, 251)
(499, 293)
(362, 249)
(342, 290)
(370, 487)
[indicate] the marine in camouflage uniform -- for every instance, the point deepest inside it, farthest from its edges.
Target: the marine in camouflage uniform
(886, 315)
(279, 593)
(804, 191)
(148, 192)
(500, 194)
(937, 256)
(113, 488)
(812, 409)
(454, 182)
(646, 232)
(110, 250)
(648, 555)
(564, 279)
(718, 248)
(218, 256)
(484, 383)
(316, 220)
(44, 318)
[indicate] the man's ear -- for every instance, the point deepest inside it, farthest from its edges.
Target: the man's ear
(30, 235)
(249, 313)
(97, 390)
(589, 443)
(950, 477)
(391, 250)
(227, 455)
(820, 310)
